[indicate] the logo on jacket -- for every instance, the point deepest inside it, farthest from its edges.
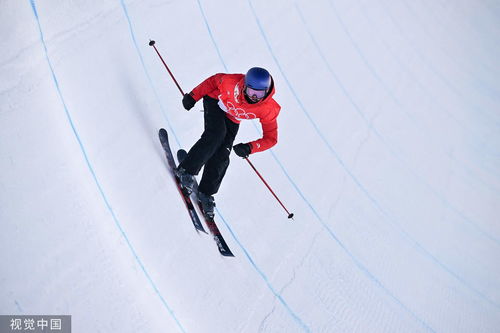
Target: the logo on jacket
(234, 111)
(239, 112)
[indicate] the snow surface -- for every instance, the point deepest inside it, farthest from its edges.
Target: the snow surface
(389, 156)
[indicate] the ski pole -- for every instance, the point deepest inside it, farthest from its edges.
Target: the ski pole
(152, 43)
(290, 215)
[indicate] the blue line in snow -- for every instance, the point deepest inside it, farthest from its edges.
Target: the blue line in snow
(440, 106)
(132, 35)
(18, 306)
(273, 154)
(94, 176)
(278, 161)
(444, 50)
(435, 71)
(435, 192)
(259, 271)
(341, 162)
(265, 278)
(443, 199)
(247, 254)
(330, 232)
(212, 36)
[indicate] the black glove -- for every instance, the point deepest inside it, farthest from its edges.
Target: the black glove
(188, 101)
(242, 150)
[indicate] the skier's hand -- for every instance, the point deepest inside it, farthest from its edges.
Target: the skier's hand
(188, 101)
(242, 150)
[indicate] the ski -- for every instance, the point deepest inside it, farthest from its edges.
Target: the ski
(171, 167)
(212, 226)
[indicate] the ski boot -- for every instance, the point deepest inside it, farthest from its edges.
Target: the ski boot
(207, 203)
(185, 179)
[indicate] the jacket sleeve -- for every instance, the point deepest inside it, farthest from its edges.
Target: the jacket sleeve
(270, 134)
(206, 87)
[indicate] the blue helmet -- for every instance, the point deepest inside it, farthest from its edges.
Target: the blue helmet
(258, 78)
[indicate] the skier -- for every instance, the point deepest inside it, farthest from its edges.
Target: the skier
(227, 99)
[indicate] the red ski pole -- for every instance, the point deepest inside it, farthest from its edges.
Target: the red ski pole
(152, 43)
(290, 215)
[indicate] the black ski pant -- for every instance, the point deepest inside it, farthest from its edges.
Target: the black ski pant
(213, 148)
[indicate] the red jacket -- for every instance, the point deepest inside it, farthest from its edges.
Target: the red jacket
(228, 89)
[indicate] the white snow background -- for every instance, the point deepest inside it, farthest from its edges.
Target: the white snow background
(388, 154)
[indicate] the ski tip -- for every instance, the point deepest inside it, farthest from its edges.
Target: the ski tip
(227, 254)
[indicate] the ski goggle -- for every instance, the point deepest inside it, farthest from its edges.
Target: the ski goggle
(257, 93)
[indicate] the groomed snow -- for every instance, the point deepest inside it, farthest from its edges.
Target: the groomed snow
(388, 154)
